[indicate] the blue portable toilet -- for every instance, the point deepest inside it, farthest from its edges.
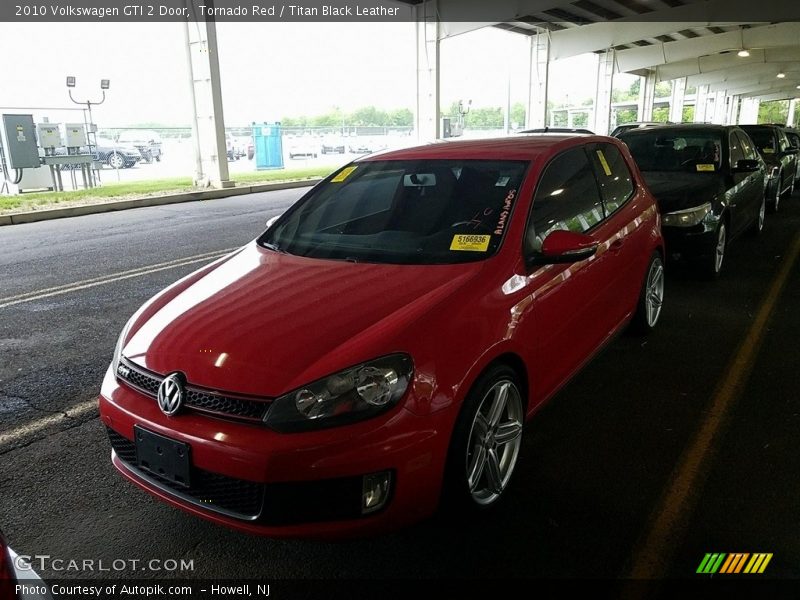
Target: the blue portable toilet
(268, 146)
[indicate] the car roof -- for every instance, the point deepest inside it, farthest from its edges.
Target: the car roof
(680, 127)
(518, 147)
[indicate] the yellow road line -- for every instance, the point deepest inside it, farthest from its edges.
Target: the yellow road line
(654, 552)
(111, 278)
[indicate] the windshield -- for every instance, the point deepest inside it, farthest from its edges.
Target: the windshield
(688, 151)
(763, 139)
(403, 212)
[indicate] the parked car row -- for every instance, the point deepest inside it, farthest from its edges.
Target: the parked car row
(108, 152)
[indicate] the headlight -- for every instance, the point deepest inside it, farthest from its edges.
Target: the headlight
(688, 217)
(354, 394)
(118, 347)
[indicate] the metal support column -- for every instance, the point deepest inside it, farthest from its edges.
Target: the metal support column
(676, 100)
(209, 122)
(426, 117)
(538, 71)
(701, 104)
(720, 108)
(732, 111)
(748, 113)
(792, 109)
(647, 95)
(602, 98)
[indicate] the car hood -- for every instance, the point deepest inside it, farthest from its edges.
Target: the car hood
(264, 323)
(678, 190)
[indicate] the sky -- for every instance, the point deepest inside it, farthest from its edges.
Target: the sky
(269, 70)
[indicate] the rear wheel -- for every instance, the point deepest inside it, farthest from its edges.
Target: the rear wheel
(651, 298)
(486, 441)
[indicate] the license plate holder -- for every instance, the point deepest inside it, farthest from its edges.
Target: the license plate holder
(162, 456)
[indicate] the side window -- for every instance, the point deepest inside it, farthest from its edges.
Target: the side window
(746, 145)
(613, 175)
(566, 198)
(794, 139)
(737, 151)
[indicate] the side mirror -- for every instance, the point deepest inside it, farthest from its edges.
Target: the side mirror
(746, 165)
(271, 221)
(564, 247)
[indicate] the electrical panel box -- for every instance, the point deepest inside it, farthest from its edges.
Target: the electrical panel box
(49, 135)
(21, 151)
(76, 134)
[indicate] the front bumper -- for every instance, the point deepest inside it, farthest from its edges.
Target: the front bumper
(253, 479)
(690, 243)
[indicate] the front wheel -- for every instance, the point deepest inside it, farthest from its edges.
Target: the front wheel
(712, 266)
(651, 298)
(758, 224)
(486, 441)
(116, 161)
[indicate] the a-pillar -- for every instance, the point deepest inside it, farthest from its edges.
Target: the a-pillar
(538, 71)
(208, 121)
(426, 117)
(602, 99)
(701, 104)
(647, 95)
(676, 100)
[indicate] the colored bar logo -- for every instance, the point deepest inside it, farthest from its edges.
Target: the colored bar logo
(733, 564)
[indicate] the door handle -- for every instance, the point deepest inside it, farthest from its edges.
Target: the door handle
(615, 246)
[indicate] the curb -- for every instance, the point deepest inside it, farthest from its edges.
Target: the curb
(91, 209)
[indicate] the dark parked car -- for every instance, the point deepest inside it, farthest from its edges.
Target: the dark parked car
(558, 130)
(781, 159)
(619, 129)
(147, 142)
(793, 135)
(115, 155)
(709, 183)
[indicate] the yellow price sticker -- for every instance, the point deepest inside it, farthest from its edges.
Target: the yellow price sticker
(604, 162)
(343, 174)
(704, 168)
(470, 243)
(768, 150)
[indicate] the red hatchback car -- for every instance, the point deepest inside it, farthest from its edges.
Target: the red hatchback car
(381, 345)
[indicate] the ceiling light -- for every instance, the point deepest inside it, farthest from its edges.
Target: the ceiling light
(781, 75)
(743, 53)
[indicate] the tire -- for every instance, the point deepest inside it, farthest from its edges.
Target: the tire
(713, 265)
(651, 297)
(776, 199)
(479, 467)
(158, 158)
(758, 225)
(788, 193)
(115, 160)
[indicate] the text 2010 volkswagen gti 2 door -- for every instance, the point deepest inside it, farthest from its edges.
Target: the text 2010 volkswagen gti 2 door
(380, 346)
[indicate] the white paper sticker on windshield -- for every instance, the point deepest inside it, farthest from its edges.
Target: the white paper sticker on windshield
(502, 182)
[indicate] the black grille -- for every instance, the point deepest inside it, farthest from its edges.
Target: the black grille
(196, 398)
(210, 490)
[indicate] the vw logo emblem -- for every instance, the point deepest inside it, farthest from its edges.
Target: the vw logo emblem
(170, 394)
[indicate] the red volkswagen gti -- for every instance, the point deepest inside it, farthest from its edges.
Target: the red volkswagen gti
(379, 348)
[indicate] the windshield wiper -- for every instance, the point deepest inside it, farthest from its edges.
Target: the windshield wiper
(273, 247)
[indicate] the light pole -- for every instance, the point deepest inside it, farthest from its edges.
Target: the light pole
(104, 85)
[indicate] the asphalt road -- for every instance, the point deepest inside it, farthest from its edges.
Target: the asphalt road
(595, 465)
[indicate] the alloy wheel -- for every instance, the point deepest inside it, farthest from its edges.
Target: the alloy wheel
(719, 251)
(654, 292)
(494, 442)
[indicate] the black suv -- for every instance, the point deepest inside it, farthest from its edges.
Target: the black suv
(709, 182)
(781, 159)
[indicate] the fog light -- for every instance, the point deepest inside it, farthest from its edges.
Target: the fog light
(375, 491)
